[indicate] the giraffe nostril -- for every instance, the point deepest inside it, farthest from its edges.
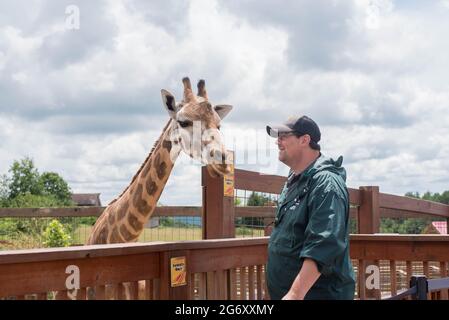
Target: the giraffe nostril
(212, 154)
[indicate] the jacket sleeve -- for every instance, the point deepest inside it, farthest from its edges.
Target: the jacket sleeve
(326, 231)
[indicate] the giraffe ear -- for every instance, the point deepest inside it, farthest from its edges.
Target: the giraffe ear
(169, 103)
(222, 110)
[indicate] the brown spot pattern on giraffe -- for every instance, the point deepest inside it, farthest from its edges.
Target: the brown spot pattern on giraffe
(147, 168)
(114, 237)
(134, 222)
(126, 234)
(123, 209)
(102, 235)
(161, 170)
(111, 216)
(140, 204)
(151, 187)
(166, 144)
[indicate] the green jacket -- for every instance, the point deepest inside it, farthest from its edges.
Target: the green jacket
(312, 221)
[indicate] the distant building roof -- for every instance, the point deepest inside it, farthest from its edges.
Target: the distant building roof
(87, 199)
(441, 226)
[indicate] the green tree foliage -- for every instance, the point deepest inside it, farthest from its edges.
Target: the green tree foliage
(4, 191)
(414, 226)
(255, 199)
(24, 179)
(25, 187)
(55, 235)
(54, 185)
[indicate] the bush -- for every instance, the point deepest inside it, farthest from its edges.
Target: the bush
(55, 235)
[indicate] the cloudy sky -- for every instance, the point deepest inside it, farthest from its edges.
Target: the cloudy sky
(82, 96)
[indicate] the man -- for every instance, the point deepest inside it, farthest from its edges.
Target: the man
(308, 251)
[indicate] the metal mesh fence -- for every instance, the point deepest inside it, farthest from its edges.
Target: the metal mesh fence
(30, 233)
(248, 227)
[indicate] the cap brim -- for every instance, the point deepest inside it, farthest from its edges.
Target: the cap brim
(273, 131)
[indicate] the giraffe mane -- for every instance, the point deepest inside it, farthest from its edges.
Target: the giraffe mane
(143, 164)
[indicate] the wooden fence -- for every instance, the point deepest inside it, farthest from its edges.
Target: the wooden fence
(216, 269)
(231, 268)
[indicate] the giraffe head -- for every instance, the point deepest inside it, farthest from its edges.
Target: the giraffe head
(195, 127)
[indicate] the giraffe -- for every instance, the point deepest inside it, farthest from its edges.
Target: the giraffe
(193, 128)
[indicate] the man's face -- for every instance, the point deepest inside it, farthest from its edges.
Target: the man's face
(289, 147)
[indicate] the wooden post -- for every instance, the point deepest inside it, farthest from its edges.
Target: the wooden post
(368, 219)
(218, 205)
(167, 291)
(368, 222)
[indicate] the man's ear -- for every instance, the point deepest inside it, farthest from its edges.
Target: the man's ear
(169, 103)
(222, 110)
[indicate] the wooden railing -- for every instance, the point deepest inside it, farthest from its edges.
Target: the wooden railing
(232, 269)
(397, 258)
(368, 205)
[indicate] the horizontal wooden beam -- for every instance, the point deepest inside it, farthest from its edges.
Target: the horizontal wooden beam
(166, 211)
(106, 250)
(390, 201)
(259, 212)
(259, 182)
(400, 247)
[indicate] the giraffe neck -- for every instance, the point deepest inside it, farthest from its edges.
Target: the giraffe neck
(124, 219)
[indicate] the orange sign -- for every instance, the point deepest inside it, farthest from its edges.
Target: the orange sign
(178, 271)
(228, 185)
(228, 179)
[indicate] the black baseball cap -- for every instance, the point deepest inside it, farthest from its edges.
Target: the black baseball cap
(300, 126)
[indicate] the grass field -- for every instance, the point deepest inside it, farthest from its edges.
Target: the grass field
(168, 234)
(161, 233)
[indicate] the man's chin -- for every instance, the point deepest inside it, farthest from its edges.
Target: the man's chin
(281, 158)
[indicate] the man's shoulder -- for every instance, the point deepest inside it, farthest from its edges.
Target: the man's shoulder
(328, 181)
(326, 176)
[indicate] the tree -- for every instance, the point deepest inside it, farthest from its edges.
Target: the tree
(55, 235)
(444, 197)
(4, 190)
(24, 179)
(27, 188)
(414, 226)
(413, 195)
(53, 184)
(254, 200)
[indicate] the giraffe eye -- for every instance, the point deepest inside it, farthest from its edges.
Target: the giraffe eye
(185, 124)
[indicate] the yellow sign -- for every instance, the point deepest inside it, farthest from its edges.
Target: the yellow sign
(178, 271)
(228, 184)
(228, 179)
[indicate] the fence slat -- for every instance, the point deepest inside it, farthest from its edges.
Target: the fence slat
(41, 296)
(443, 274)
(100, 293)
(81, 294)
(251, 295)
(232, 284)
(393, 282)
(259, 283)
(361, 279)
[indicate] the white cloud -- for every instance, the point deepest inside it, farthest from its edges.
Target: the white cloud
(87, 104)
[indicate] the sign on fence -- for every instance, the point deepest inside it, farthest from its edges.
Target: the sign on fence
(178, 271)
